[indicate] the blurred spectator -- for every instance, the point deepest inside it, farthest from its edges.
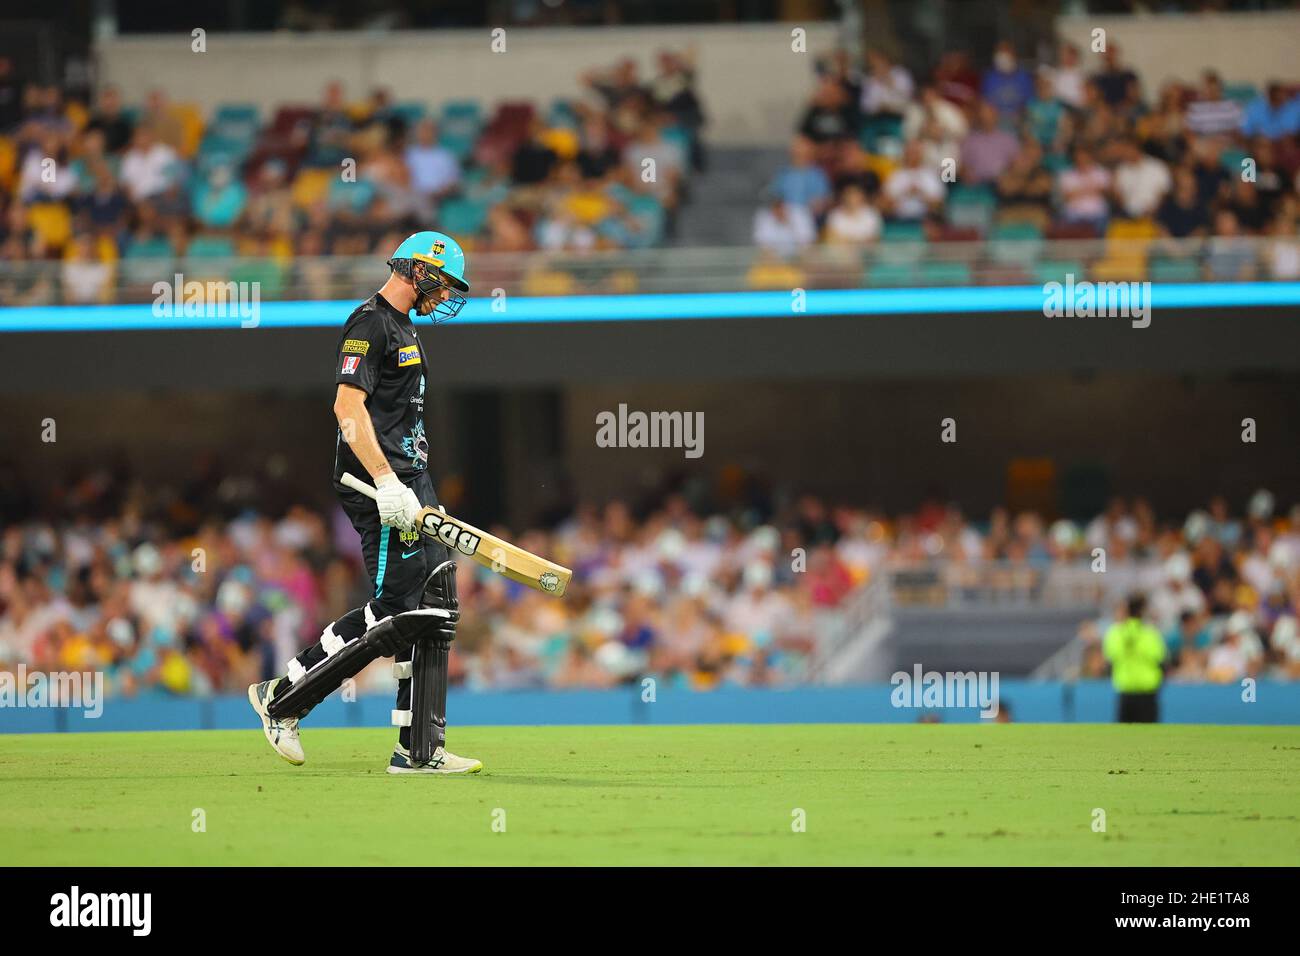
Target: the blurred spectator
(149, 166)
(853, 220)
(435, 171)
(783, 229)
(988, 149)
(801, 182)
(1212, 113)
(1083, 188)
(1140, 181)
(886, 87)
(1007, 86)
(914, 190)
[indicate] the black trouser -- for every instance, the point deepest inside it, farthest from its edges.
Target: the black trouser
(398, 563)
(1139, 708)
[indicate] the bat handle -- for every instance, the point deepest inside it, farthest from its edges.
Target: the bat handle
(356, 484)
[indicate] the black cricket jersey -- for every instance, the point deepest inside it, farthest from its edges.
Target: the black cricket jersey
(379, 352)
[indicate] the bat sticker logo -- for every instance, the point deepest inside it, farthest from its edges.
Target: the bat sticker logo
(549, 581)
(453, 535)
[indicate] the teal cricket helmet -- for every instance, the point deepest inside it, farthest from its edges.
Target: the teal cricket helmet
(441, 266)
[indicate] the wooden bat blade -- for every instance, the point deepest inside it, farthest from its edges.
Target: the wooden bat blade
(487, 549)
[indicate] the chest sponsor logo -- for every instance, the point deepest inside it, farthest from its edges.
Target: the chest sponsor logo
(356, 346)
(408, 355)
(350, 363)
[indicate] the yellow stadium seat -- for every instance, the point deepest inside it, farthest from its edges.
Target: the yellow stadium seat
(310, 187)
(191, 120)
(51, 222)
(8, 163)
(1119, 268)
(775, 275)
(546, 282)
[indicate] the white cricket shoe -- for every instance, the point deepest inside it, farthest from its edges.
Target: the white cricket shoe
(282, 735)
(442, 762)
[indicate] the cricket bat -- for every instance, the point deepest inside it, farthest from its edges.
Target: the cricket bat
(487, 549)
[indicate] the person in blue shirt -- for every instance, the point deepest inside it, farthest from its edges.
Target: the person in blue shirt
(1008, 85)
(1274, 115)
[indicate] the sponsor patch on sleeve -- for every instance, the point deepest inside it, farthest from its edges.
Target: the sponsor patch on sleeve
(356, 346)
(350, 363)
(408, 355)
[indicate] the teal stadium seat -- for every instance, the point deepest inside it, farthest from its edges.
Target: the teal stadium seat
(893, 274)
(351, 196)
(945, 273)
(1055, 270)
(210, 247)
(148, 261)
(462, 217)
(1016, 243)
(901, 243)
(1164, 269)
(410, 112)
(971, 207)
(649, 213)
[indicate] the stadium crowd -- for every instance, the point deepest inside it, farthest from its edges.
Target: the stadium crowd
(1025, 152)
(98, 185)
(162, 599)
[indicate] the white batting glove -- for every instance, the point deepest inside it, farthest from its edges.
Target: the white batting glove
(397, 504)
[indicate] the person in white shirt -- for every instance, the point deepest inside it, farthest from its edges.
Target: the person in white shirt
(914, 189)
(1068, 79)
(784, 229)
(148, 166)
(853, 221)
(1140, 181)
(887, 87)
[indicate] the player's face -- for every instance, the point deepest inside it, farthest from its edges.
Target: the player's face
(424, 304)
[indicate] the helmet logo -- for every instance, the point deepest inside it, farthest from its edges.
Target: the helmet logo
(438, 247)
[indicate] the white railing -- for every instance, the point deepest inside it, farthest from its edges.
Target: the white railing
(896, 263)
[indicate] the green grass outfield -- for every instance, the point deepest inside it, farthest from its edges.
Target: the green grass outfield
(872, 794)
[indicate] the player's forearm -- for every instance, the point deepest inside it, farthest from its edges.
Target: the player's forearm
(359, 432)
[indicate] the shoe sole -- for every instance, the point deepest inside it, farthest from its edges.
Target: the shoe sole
(266, 731)
(446, 773)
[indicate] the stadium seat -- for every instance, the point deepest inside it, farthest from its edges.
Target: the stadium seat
(461, 146)
(1241, 93)
(893, 274)
(1230, 161)
(901, 242)
(1057, 270)
(146, 262)
(51, 222)
(354, 197)
(1016, 243)
(548, 282)
(210, 247)
(775, 275)
(267, 273)
(462, 109)
(8, 163)
(1174, 270)
(944, 273)
(410, 112)
(311, 186)
(649, 213)
(561, 113)
(971, 207)
(462, 217)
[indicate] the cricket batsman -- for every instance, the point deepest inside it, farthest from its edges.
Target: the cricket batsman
(379, 404)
